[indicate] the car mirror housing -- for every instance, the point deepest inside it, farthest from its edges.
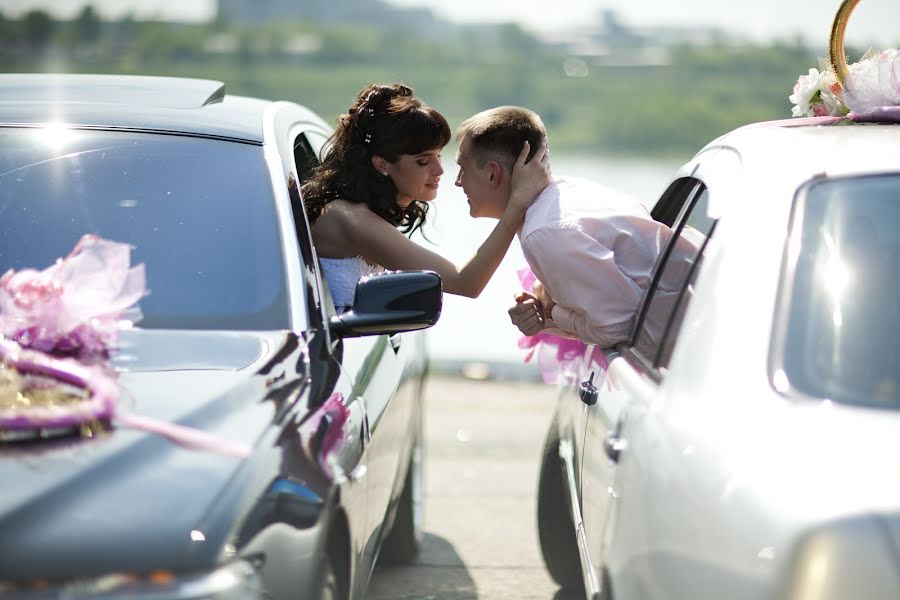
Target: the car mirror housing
(391, 303)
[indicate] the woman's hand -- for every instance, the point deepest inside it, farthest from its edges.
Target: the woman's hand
(529, 179)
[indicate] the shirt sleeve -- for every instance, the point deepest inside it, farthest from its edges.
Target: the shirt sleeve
(594, 299)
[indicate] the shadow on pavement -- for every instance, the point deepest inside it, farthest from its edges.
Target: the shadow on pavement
(438, 574)
(568, 595)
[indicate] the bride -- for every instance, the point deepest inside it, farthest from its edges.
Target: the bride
(382, 167)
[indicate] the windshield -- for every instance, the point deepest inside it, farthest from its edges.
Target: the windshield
(843, 339)
(199, 214)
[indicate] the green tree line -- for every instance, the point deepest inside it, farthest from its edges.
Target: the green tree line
(672, 106)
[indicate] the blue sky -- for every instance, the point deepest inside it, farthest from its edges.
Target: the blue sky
(874, 22)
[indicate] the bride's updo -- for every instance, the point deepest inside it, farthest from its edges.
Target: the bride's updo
(386, 120)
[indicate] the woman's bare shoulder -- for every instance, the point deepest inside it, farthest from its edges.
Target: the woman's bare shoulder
(344, 213)
(338, 229)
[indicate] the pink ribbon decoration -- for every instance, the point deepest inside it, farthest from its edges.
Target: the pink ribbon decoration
(335, 436)
(73, 307)
(188, 437)
(560, 358)
(62, 323)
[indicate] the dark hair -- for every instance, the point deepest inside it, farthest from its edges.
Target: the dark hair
(498, 134)
(386, 120)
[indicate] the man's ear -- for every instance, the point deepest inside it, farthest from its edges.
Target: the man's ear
(495, 172)
(380, 163)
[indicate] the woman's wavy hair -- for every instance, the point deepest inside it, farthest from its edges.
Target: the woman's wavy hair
(386, 120)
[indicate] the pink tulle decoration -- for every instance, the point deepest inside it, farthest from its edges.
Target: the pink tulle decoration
(335, 436)
(560, 359)
(74, 307)
(873, 84)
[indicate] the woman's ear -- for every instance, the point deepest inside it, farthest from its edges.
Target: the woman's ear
(380, 163)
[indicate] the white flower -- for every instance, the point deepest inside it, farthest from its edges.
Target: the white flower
(806, 87)
(817, 94)
(874, 82)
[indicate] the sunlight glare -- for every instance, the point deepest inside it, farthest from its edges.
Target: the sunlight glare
(56, 135)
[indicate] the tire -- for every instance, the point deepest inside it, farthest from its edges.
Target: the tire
(404, 541)
(328, 587)
(556, 530)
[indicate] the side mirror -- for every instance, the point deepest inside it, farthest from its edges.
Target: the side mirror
(391, 303)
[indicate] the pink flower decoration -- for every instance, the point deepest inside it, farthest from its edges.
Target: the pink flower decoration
(74, 307)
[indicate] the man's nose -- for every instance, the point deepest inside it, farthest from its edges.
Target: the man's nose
(458, 181)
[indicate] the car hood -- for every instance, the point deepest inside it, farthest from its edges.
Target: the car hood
(130, 498)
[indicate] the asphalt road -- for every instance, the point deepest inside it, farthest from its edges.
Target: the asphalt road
(483, 448)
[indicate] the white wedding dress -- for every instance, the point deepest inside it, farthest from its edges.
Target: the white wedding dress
(342, 274)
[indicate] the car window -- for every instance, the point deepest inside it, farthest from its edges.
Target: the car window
(672, 287)
(199, 214)
(304, 157)
(843, 315)
(696, 232)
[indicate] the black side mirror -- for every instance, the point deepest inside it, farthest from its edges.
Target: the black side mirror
(391, 303)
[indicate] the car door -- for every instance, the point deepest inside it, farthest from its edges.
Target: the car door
(635, 369)
(374, 376)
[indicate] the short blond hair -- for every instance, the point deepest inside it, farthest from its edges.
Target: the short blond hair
(498, 134)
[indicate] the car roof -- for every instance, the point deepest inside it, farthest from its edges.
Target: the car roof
(132, 102)
(816, 150)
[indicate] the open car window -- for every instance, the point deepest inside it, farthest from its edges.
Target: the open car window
(684, 206)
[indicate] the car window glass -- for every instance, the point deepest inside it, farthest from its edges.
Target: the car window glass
(671, 280)
(673, 327)
(199, 214)
(317, 141)
(843, 315)
(304, 157)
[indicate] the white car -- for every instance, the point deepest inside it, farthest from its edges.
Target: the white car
(755, 453)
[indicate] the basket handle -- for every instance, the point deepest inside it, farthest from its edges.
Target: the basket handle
(836, 44)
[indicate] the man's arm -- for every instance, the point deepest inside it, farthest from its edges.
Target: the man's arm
(593, 299)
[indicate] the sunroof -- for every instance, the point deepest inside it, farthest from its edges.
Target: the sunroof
(131, 90)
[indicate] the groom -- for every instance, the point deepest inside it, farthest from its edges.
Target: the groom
(592, 249)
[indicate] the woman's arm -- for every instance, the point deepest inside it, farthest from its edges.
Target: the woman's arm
(375, 239)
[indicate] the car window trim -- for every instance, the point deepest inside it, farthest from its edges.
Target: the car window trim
(688, 281)
(695, 191)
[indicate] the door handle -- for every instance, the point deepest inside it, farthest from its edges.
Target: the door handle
(588, 392)
(613, 447)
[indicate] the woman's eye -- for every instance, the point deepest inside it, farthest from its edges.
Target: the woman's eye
(422, 163)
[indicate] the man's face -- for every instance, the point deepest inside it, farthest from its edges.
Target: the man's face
(478, 184)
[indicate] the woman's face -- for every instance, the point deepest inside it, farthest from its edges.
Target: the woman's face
(416, 176)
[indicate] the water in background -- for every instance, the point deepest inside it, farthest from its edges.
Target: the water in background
(475, 335)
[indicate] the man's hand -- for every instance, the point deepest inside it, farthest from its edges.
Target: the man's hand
(527, 314)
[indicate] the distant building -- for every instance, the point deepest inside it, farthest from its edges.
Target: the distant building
(371, 12)
(610, 42)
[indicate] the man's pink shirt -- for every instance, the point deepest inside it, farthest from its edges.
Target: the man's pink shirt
(594, 249)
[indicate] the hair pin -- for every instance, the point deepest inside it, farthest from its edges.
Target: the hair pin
(371, 112)
(368, 139)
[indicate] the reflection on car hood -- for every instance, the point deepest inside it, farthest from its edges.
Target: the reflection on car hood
(128, 500)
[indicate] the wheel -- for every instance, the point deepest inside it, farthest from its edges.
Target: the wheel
(556, 530)
(405, 538)
(328, 588)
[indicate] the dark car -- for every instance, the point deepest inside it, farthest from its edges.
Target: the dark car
(237, 340)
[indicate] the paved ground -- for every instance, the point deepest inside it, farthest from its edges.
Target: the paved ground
(484, 441)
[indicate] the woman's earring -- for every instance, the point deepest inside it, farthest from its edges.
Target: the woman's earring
(385, 173)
